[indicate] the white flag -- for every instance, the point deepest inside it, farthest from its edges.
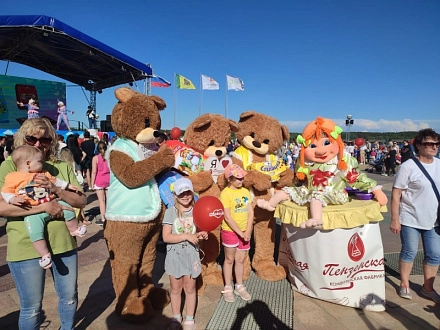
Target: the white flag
(235, 83)
(209, 83)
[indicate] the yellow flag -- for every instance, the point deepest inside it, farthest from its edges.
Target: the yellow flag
(184, 83)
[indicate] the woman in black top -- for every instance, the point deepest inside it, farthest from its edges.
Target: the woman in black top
(405, 151)
(390, 161)
(88, 146)
(78, 154)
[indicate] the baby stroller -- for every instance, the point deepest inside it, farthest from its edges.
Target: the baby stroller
(377, 165)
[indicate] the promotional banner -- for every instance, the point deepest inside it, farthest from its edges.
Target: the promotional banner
(15, 93)
(342, 266)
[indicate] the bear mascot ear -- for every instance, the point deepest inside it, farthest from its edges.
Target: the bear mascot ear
(124, 94)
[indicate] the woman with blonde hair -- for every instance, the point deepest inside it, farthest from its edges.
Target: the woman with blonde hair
(22, 259)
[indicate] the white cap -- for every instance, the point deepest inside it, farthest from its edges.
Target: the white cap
(181, 185)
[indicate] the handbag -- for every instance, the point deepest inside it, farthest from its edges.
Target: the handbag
(432, 183)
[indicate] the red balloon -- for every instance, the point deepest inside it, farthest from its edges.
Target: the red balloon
(208, 213)
(359, 142)
(175, 133)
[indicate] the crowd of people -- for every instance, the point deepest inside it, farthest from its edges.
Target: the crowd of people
(69, 168)
(389, 154)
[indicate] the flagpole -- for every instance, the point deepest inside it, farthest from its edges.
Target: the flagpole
(174, 99)
(226, 98)
(200, 96)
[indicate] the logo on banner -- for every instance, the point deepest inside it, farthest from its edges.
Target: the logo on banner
(355, 248)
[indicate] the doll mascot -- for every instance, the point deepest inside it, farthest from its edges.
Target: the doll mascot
(324, 170)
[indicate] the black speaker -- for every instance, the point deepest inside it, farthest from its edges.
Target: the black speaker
(106, 126)
(108, 117)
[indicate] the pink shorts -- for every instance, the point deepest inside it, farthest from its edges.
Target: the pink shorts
(231, 239)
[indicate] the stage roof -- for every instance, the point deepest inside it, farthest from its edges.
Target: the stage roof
(49, 45)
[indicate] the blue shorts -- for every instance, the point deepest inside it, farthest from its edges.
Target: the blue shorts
(409, 238)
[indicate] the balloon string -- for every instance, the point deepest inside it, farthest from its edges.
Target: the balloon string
(203, 253)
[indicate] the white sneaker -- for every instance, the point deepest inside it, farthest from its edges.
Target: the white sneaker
(405, 293)
(80, 231)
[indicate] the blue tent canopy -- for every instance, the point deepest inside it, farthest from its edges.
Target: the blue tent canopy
(52, 46)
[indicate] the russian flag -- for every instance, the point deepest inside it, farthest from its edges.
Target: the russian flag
(157, 81)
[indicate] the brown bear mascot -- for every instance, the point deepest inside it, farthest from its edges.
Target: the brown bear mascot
(209, 134)
(260, 136)
(134, 209)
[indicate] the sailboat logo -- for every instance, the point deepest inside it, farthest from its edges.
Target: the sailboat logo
(356, 248)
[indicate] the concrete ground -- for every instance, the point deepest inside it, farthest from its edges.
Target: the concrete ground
(97, 299)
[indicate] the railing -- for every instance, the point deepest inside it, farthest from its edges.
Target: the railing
(78, 125)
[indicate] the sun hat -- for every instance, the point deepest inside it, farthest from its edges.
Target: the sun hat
(181, 185)
(234, 170)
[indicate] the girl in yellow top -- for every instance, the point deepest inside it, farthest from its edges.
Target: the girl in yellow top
(236, 230)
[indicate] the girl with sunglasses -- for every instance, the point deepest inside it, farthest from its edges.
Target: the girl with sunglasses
(21, 256)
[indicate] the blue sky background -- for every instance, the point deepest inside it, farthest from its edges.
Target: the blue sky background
(375, 60)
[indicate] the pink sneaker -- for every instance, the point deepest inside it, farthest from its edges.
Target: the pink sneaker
(242, 292)
(228, 294)
(189, 325)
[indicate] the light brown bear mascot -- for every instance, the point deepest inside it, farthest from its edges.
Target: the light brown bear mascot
(260, 137)
(210, 134)
(134, 209)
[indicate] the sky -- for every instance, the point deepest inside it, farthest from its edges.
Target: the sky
(378, 61)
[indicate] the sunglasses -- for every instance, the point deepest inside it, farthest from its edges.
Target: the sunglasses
(32, 140)
(431, 144)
